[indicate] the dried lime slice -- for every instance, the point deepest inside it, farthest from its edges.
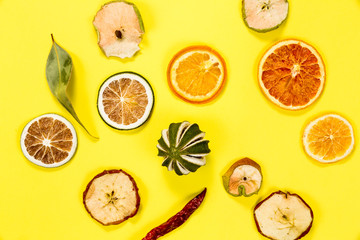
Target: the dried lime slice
(49, 140)
(125, 100)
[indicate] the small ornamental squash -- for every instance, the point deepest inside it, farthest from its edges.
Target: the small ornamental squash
(183, 147)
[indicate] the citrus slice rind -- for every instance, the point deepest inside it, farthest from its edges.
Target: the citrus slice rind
(315, 138)
(264, 16)
(307, 78)
(131, 103)
(60, 151)
(187, 61)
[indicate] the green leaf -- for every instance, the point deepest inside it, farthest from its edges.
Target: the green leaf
(58, 74)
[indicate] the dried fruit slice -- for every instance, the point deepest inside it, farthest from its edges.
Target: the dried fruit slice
(183, 147)
(243, 178)
(125, 100)
(120, 28)
(197, 74)
(264, 15)
(111, 197)
(328, 138)
(292, 74)
(49, 140)
(283, 216)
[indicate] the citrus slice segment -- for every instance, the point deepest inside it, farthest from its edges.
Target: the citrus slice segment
(292, 74)
(111, 197)
(329, 138)
(264, 16)
(125, 100)
(197, 74)
(49, 140)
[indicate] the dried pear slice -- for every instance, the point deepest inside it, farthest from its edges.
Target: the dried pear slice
(264, 15)
(111, 197)
(283, 216)
(183, 147)
(243, 178)
(120, 28)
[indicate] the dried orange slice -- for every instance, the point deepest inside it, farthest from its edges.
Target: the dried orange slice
(49, 140)
(292, 74)
(197, 74)
(125, 100)
(329, 138)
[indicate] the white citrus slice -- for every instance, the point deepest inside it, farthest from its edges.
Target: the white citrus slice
(111, 197)
(328, 138)
(283, 216)
(125, 100)
(264, 15)
(292, 74)
(120, 29)
(49, 140)
(243, 178)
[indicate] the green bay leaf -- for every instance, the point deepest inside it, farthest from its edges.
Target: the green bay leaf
(58, 74)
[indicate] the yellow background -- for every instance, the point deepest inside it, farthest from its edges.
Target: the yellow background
(39, 203)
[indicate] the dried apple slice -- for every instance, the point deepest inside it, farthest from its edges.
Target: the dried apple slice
(264, 15)
(120, 28)
(283, 216)
(243, 178)
(111, 197)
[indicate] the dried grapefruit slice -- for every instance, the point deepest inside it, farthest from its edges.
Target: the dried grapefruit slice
(125, 100)
(328, 138)
(197, 74)
(49, 140)
(292, 74)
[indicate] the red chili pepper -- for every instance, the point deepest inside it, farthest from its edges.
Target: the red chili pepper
(178, 219)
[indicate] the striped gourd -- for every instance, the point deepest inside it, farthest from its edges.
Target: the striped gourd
(183, 147)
